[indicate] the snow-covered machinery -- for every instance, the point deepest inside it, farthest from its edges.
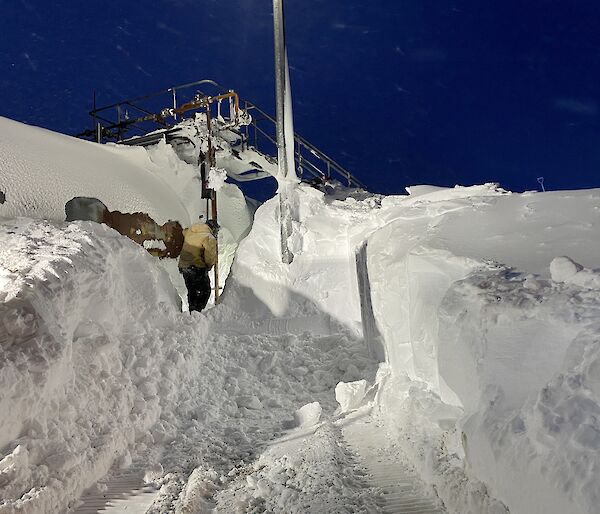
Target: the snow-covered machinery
(203, 119)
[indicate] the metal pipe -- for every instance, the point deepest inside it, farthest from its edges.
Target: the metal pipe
(162, 92)
(174, 104)
(214, 216)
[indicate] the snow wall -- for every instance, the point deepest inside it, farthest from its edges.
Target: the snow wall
(100, 369)
(477, 313)
(84, 370)
(319, 289)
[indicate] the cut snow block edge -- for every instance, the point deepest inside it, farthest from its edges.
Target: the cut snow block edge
(565, 270)
(350, 394)
(308, 415)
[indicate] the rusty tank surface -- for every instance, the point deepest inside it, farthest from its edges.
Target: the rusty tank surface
(138, 226)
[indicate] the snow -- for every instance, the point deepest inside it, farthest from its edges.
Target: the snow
(89, 380)
(483, 303)
(462, 295)
(41, 171)
(350, 395)
(308, 415)
(467, 317)
(310, 473)
(158, 244)
(216, 178)
(72, 397)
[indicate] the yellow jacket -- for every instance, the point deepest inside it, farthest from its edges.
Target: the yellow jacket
(199, 247)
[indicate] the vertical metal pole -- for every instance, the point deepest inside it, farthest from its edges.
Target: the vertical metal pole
(284, 191)
(174, 104)
(280, 83)
(215, 218)
(213, 199)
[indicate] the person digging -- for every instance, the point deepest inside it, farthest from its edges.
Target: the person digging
(198, 256)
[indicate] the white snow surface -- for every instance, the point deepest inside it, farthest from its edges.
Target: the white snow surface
(40, 171)
(484, 302)
(494, 358)
(462, 292)
(97, 363)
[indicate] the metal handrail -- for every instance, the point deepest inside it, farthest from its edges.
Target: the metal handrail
(300, 143)
(162, 92)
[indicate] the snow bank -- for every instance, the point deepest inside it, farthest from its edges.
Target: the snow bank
(477, 336)
(322, 277)
(485, 301)
(528, 354)
(80, 357)
(40, 171)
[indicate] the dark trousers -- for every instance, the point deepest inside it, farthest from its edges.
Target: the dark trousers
(197, 282)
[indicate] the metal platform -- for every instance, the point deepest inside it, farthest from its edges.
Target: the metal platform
(148, 119)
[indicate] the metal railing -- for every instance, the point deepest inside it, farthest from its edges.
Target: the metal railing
(163, 110)
(159, 110)
(308, 157)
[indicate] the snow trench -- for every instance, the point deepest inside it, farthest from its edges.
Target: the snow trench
(101, 371)
(489, 385)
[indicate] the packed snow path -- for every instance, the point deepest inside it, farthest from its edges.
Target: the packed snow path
(403, 491)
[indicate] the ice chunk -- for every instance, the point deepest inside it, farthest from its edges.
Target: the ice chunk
(563, 268)
(308, 415)
(350, 394)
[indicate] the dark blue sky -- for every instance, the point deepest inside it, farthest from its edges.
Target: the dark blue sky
(399, 91)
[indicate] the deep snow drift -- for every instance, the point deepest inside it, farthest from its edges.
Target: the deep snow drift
(99, 368)
(482, 303)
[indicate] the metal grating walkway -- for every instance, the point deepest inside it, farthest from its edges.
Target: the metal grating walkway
(403, 491)
(126, 493)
